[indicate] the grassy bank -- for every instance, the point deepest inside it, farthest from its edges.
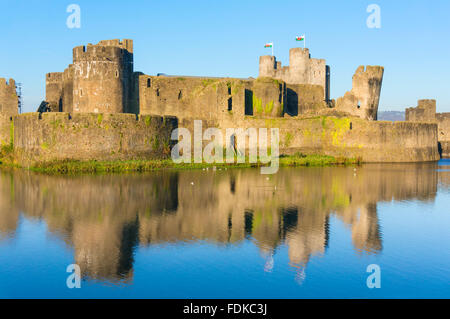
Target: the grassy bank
(92, 167)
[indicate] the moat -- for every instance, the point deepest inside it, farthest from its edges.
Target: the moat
(301, 233)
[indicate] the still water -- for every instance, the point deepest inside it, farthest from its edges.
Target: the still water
(302, 233)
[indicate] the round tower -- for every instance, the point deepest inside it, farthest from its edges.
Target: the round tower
(298, 66)
(101, 77)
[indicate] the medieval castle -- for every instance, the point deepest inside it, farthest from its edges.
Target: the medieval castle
(100, 108)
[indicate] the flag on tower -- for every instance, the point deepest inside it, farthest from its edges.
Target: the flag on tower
(268, 45)
(301, 38)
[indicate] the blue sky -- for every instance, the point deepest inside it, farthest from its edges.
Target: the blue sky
(226, 38)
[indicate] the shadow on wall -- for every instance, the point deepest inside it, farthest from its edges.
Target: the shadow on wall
(292, 103)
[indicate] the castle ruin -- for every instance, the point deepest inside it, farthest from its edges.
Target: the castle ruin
(100, 80)
(9, 103)
(9, 100)
(425, 112)
(98, 99)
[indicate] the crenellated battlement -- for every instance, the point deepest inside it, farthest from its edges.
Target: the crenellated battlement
(98, 53)
(126, 44)
(7, 84)
(53, 77)
(106, 51)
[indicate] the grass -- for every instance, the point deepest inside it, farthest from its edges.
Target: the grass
(117, 166)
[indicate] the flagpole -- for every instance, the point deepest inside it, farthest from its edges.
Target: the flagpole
(272, 48)
(304, 42)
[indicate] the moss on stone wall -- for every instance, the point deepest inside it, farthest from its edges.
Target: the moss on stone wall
(257, 104)
(90, 136)
(269, 107)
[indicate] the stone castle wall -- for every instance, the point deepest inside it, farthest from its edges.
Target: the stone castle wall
(5, 130)
(425, 112)
(102, 80)
(214, 99)
(372, 141)
(60, 136)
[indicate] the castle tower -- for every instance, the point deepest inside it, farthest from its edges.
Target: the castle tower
(54, 91)
(424, 112)
(9, 101)
(301, 70)
(429, 107)
(267, 66)
(298, 66)
(102, 76)
(363, 99)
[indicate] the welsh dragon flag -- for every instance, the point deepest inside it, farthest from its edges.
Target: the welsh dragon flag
(268, 45)
(301, 38)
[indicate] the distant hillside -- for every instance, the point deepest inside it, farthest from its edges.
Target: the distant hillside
(391, 116)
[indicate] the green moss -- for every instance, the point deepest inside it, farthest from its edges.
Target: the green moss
(147, 120)
(273, 122)
(269, 107)
(288, 139)
(44, 146)
(120, 141)
(341, 126)
(57, 124)
(99, 119)
(257, 104)
(76, 167)
(207, 82)
(155, 143)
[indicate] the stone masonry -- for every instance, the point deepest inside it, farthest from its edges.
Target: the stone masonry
(88, 101)
(99, 80)
(425, 112)
(302, 69)
(9, 101)
(363, 99)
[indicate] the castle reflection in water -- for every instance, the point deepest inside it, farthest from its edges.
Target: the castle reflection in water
(105, 218)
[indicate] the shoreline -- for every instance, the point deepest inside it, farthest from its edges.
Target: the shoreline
(69, 167)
